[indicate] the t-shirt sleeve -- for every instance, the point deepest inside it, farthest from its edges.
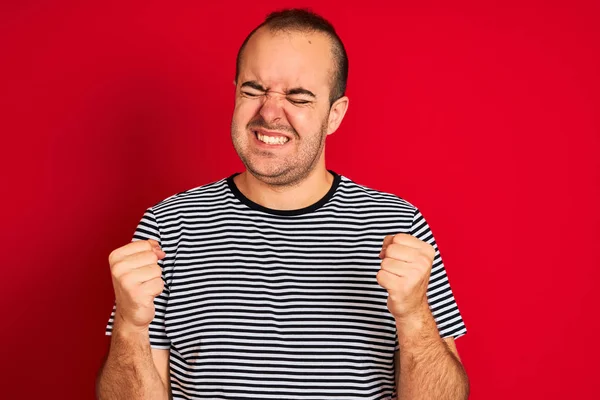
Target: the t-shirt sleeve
(439, 293)
(148, 229)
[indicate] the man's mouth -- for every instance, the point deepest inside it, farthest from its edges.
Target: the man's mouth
(271, 139)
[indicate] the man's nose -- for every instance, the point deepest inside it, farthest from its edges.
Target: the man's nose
(272, 107)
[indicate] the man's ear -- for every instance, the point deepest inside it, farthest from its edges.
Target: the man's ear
(336, 114)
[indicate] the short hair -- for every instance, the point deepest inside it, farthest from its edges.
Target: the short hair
(304, 20)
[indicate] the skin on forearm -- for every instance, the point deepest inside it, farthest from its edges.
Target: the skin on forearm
(129, 371)
(428, 368)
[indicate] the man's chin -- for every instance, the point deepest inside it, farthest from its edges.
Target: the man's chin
(266, 174)
(273, 176)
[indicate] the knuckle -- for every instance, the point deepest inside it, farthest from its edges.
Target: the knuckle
(385, 263)
(432, 252)
(116, 268)
(425, 260)
(112, 257)
(379, 276)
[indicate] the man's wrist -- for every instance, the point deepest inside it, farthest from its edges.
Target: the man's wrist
(126, 330)
(416, 324)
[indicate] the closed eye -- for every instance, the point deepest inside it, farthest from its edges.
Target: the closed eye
(298, 101)
(251, 94)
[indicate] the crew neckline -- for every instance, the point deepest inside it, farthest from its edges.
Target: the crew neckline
(300, 211)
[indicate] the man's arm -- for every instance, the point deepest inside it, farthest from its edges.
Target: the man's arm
(133, 370)
(130, 371)
(427, 366)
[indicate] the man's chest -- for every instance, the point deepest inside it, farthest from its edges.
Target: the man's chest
(300, 287)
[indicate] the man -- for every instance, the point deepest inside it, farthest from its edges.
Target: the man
(286, 281)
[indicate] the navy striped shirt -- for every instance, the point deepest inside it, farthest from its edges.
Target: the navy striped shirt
(270, 304)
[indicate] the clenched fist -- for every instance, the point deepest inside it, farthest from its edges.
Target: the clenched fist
(405, 268)
(137, 280)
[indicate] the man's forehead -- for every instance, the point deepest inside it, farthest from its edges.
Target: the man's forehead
(287, 57)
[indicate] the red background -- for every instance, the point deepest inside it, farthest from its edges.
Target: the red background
(484, 116)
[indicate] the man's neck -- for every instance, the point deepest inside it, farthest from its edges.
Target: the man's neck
(312, 189)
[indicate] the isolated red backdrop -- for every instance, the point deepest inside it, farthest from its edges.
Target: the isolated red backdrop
(486, 117)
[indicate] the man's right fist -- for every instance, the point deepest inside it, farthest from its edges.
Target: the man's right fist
(137, 280)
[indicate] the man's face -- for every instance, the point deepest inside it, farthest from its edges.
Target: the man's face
(280, 120)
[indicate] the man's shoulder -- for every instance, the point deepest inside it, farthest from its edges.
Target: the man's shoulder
(356, 192)
(211, 191)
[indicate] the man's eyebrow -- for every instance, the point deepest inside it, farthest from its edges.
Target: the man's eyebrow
(300, 90)
(254, 85)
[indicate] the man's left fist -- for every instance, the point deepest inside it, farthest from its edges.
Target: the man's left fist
(405, 268)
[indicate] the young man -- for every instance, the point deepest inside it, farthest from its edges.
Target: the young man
(286, 281)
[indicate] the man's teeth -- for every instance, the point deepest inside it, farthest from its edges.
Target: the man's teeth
(271, 139)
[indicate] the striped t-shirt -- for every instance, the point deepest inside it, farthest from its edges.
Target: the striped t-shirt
(270, 304)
